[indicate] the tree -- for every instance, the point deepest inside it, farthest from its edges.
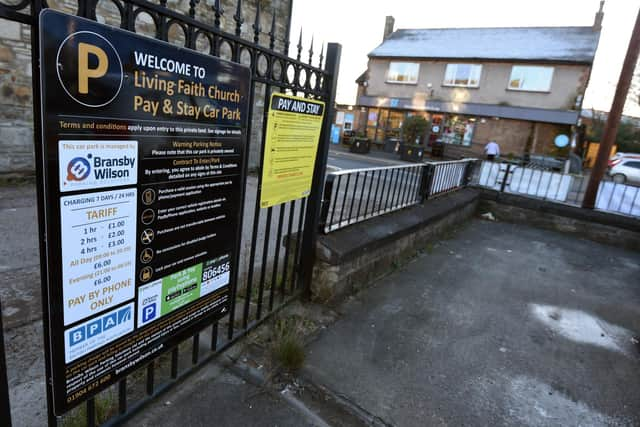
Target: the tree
(627, 139)
(414, 127)
(633, 97)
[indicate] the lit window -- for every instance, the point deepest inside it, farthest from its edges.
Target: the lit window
(531, 78)
(465, 75)
(403, 72)
(458, 130)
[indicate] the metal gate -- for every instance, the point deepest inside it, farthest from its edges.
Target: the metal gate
(278, 245)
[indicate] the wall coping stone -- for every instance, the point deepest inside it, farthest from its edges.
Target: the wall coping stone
(574, 212)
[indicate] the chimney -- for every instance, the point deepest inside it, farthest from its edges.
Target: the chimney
(388, 27)
(597, 23)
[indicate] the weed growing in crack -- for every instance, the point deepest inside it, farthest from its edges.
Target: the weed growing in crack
(287, 348)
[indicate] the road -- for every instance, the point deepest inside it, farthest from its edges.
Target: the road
(341, 160)
(366, 194)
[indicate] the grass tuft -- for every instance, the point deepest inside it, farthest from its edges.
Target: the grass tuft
(287, 347)
(105, 409)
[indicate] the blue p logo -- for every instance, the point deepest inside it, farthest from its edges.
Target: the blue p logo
(148, 313)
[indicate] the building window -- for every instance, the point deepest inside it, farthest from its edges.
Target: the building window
(403, 72)
(458, 130)
(531, 78)
(465, 75)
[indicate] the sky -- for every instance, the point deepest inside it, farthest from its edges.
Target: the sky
(358, 26)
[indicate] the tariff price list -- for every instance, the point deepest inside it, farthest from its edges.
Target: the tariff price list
(98, 251)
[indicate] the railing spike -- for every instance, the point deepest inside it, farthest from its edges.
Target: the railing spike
(238, 18)
(192, 7)
(163, 3)
(272, 33)
(219, 11)
(256, 24)
(300, 45)
(321, 55)
(311, 50)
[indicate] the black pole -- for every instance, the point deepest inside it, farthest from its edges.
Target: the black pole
(36, 7)
(5, 407)
(332, 67)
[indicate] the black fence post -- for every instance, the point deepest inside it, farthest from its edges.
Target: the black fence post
(36, 7)
(327, 194)
(5, 407)
(332, 67)
(468, 172)
(506, 177)
(427, 179)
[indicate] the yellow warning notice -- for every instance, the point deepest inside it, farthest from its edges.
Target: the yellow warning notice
(291, 143)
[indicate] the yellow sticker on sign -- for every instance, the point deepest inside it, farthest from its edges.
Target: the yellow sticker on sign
(291, 143)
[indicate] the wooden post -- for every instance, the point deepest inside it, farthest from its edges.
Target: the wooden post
(613, 121)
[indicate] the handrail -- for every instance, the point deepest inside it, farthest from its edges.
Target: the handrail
(356, 195)
(379, 168)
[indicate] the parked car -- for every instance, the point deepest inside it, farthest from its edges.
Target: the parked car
(617, 158)
(627, 169)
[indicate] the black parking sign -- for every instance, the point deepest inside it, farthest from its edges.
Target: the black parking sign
(143, 174)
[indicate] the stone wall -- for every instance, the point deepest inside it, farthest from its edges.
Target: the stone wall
(602, 227)
(350, 259)
(16, 115)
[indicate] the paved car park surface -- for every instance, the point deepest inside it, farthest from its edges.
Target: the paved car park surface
(501, 325)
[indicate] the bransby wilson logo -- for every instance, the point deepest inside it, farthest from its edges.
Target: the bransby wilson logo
(100, 168)
(89, 69)
(78, 169)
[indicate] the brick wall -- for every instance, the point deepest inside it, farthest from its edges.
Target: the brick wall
(16, 116)
(547, 133)
(511, 135)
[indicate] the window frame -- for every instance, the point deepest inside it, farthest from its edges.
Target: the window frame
(400, 82)
(444, 80)
(447, 121)
(519, 89)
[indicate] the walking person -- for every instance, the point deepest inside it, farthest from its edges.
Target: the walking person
(492, 150)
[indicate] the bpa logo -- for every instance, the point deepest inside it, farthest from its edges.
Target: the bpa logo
(89, 69)
(99, 326)
(78, 169)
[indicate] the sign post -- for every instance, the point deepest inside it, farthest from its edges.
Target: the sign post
(143, 147)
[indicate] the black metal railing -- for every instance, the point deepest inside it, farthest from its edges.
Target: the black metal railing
(276, 261)
(449, 176)
(356, 195)
(557, 187)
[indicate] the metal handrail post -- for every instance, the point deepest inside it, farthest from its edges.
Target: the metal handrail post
(310, 234)
(327, 195)
(427, 179)
(506, 176)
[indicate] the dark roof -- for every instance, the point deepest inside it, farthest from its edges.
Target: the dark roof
(363, 77)
(561, 44)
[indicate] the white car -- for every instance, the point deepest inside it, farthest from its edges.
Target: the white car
(626, 170)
